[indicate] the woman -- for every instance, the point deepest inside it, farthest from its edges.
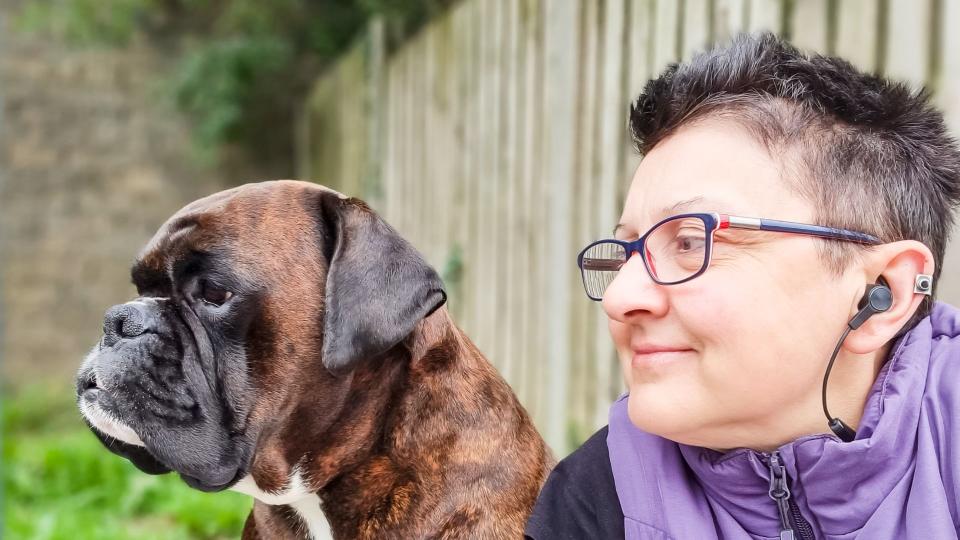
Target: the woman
(790, 216)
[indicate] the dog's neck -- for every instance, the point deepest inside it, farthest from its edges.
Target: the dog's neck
(410, 416)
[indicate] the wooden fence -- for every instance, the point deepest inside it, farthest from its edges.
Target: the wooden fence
(495, 140)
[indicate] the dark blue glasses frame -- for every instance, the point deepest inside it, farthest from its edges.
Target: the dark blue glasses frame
(712, 223)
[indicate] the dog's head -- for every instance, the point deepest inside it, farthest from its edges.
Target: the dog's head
(248, 300)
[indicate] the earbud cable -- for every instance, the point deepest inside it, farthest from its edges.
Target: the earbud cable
(826, 375)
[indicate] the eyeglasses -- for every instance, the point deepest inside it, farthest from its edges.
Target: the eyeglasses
(678, 248)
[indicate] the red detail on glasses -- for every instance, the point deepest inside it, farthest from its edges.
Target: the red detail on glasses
(650, 263)
(724, 221)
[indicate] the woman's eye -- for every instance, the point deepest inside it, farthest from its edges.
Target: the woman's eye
(212, 294)
(686, 244)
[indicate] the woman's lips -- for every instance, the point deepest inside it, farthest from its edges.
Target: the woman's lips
(655, 357)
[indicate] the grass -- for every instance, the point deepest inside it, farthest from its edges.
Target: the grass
(60, 483)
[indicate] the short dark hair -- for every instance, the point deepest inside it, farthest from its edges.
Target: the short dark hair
(869, 153)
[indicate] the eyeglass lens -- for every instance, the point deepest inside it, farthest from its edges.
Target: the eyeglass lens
(674, 251)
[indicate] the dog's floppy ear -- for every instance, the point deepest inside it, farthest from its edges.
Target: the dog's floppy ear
(378, 286)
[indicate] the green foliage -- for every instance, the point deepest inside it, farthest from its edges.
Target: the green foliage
(60, 483)
(453, 267)
(218, 83)
(92, 22)
(242, 66)
(577, 433)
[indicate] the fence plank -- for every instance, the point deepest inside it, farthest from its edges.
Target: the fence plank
(512, 193)
(502, 258)
(765, 15)
(481, 191)
(471, 176)
(560, 87)
(376, 115)
(612, 136)
(696, 27)
(536, 361)
(426, 163)
(405, 143)
(857, 27)
(667, 17)
(639, 70)
(729, 18)
(391, 142)
(907, 50)
(580, 215)
(440, 155)
(461, 210)
(809, 25)
(640, 32)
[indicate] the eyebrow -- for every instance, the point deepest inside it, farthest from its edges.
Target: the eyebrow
(669, 210)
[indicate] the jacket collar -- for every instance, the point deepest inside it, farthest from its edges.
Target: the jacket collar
(836, 485)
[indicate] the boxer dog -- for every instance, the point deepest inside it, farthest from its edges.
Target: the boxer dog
(288, 344)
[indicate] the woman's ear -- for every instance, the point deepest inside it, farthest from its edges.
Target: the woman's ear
(898, 263)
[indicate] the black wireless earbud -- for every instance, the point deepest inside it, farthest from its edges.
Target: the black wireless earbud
(876, 299)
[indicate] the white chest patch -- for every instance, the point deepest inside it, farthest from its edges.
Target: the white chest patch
(295, 495)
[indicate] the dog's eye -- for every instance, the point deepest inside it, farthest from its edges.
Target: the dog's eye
(212, 294)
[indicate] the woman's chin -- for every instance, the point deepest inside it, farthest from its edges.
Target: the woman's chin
(657, 413)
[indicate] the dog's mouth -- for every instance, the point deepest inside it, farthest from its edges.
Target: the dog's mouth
(116, 436)
(105, 417)
(104, 421)
(199, 484)
(124, 441)
(95, 408)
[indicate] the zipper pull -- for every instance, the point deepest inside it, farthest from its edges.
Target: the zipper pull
(780, 494)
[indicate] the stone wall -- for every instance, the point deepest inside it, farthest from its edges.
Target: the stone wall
(92, 162)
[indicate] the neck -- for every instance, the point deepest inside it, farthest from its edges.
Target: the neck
(377, 403)
(848, 389)
(851, 381)
(424, 434)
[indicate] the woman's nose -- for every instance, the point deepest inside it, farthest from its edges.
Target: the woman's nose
(633, 292)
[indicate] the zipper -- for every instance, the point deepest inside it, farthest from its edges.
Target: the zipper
(790, 515)
(780, 494)
(804, 530)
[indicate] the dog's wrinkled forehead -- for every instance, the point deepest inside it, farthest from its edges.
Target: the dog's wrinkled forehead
(248, 223)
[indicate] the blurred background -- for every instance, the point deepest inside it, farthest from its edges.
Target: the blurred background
(491, 133)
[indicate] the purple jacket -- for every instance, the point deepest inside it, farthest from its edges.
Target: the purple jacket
(900, 478)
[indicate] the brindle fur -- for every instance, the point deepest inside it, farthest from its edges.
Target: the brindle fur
(425, 440)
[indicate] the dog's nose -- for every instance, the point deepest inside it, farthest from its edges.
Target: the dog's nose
(124, 321)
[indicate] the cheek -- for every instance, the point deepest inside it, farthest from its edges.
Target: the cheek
(620, 334)
(728, 324)
(757, 344)
(716, 316)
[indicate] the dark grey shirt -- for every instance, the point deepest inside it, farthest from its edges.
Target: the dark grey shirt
(579, 500)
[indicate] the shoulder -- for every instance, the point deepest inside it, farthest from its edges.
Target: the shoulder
(579, 499)
(940, 389)
(942, 338)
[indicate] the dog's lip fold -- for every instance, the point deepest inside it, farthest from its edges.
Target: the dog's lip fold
(137, 455)
(86, 382)
(141, 458)
(86, 378)
(203, 485)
